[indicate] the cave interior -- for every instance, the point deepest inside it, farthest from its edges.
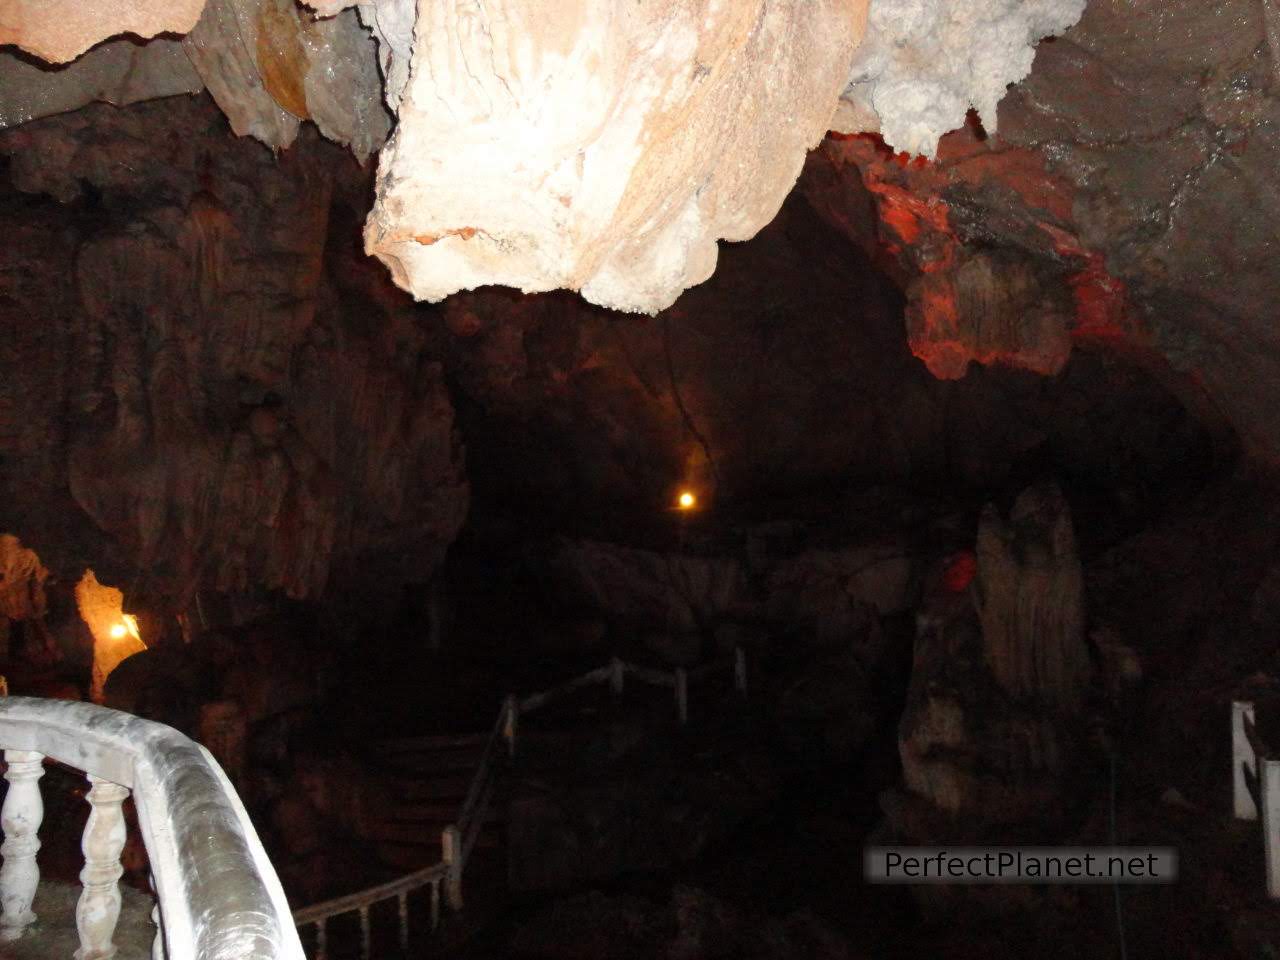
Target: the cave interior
(917, 470)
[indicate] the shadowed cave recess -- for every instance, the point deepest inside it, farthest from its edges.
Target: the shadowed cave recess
(962, 464)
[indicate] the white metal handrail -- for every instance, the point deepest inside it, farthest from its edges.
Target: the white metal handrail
(458, 839)
(1256, 787)
(218, 894)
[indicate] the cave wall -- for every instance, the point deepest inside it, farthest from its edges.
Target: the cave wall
(189, 396)
(786, 378)
(221, 391)
(1128, 199)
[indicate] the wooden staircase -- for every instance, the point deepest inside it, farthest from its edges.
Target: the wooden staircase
(426, 779)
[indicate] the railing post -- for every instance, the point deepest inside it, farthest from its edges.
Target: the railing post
(617, 676)
(451, 850)
(740, 670)
(366, 938)
(1242, 757)
(1269, 787)
(20, 816)
(402, 905)
(682, 695)
(510, 723)
(322, 940)
(104, 836)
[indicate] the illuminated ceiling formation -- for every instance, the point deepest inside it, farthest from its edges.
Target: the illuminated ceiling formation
(544, 144)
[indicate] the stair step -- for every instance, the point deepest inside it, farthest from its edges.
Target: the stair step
(442, 813)
(413, 834)
(432, 742)
(439, 788)
(420, 766)
(408, 855)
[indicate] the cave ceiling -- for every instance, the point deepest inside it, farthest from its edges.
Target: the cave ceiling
(1033, 177)
(545, 144)
(1126, 190)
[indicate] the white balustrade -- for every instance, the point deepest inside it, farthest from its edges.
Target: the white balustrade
(217, 894)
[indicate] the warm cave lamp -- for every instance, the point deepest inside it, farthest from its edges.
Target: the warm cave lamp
(687, 500)
(127, 627)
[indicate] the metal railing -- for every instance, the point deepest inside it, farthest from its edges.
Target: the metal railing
(1256, 787)
(458, 839)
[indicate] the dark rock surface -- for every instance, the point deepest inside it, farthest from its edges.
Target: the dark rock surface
(692, 926)
(195, 387)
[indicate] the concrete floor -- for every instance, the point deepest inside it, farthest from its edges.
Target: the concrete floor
(53, 936)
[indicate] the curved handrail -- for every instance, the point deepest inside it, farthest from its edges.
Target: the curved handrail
(459, 839)
(219, 895)
(367, 897)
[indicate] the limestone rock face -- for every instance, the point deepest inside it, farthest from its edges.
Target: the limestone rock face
(991, 728)
(1165, 116)
(600, 147)
(924, 63)
(22, 578)
(1031, 600)
(270, 65)
(119, 72)
(61, 30)
(229, 422)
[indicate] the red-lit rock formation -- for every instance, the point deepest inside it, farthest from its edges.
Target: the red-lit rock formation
(1128, 200)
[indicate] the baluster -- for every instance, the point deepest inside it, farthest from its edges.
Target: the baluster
(322, 939)
(404, 923)
(364, 933)
(451, 854)
(104, 836)
(20, 816)
(682, 695)
(510, 723)
(435, 905)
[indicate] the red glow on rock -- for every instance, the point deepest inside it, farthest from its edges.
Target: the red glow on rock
(1100, 298)
(908, 214)
(960, 571)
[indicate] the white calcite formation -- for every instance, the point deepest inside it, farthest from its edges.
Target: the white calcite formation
(594, 145)
(924, 63)
(591, 145)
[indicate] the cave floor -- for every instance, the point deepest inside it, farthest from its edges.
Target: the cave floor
(54, 932)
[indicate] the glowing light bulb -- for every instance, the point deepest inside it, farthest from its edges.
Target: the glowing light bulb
(118, 630)
(686, 500)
